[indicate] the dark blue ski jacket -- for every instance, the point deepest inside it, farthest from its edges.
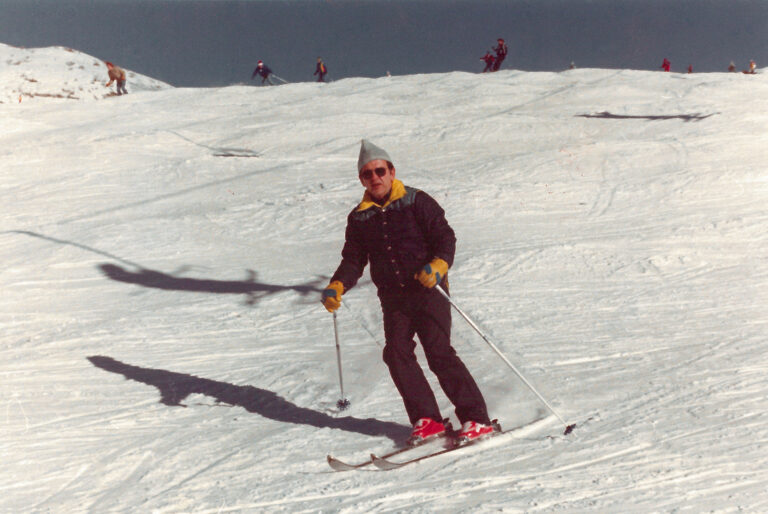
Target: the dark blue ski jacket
(398, 238)
(264, 71)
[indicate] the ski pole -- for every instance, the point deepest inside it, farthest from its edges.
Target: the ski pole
(343, 403)
(568, 428)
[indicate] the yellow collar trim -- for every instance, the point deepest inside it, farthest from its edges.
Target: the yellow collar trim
(398, 191)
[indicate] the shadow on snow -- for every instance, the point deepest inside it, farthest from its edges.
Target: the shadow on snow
(175, 387)
(158, 280)
(685, 117)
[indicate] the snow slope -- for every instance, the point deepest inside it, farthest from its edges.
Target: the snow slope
(58, 73)
(163, 348)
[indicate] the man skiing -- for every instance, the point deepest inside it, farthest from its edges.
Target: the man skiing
(666, 65)
(404, 235)
(116, 74)
(501, 53)
(320, 70)
(264, 71)
(489, 59)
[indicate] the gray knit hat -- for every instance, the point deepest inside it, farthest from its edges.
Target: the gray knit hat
(370, 152)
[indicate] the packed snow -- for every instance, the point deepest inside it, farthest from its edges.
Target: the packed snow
(163, 347)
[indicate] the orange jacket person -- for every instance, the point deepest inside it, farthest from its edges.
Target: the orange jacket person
(117, 74)
(320, 70)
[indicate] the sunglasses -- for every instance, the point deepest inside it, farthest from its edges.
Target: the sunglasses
(367, 174)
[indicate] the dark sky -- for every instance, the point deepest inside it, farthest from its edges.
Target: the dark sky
(217, 42)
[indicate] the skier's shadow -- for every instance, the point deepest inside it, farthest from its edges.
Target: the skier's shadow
(175, 387)
(150, 278)
(158, 280)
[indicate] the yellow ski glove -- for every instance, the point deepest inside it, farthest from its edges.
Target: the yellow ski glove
(332, 296)
(433, 273)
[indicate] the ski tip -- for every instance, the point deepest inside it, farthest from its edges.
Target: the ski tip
(338, 465)
(384, 464)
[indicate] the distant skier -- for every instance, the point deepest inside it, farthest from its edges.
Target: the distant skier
(116, 74)
(690, 68)
(666, 65)
(732, 67)
(752, 68)
(320, 70)
(264, 71)
(501, 54)
(489, 59)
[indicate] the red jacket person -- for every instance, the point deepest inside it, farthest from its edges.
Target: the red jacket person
(402, 232)
(501, 53)
(489, 59)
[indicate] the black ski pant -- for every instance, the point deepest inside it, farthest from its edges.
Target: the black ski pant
(427, 314)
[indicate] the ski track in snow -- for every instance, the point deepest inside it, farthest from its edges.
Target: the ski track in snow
(163, 345)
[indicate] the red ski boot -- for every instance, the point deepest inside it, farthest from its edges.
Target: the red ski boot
(473, 431)
(424, 430)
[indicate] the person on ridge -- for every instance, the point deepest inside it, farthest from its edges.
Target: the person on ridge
(116, 74)
(666, 65)
(731, 67)
(320, 70)
(501, 53)
(489, 60)
(264, 71)
(402, 232)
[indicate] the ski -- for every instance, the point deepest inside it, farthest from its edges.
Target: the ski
(383, 463)
(339, 465)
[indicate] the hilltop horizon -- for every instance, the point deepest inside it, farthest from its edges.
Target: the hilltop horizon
(62, 73)
(213, 43)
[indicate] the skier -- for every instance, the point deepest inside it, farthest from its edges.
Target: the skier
(264, 71)
(320, 70)
(690, 68)
(732, 67)
(116, 74)
(752, 67)
(666, 65)
(489, 60)
(501, 53)
(404, 235)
